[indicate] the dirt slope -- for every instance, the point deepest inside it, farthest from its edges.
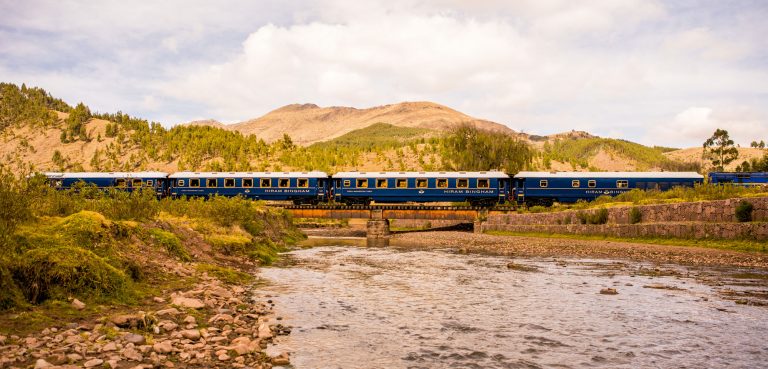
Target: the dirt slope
(309, 123)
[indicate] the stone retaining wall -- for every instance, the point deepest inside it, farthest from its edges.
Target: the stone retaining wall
(690, 220)
(720, 211)
(693, 230)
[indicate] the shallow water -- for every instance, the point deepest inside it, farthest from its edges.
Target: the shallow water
(356, 307)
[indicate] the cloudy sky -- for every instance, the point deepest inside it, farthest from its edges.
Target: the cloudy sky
(663, 73)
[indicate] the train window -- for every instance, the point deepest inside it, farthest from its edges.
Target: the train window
(302, 182)
(229, 182)
(381, 183)
(211, 182)
(283, 182)
(194, 182)
(150, 183)
(180, 183)
(347, 183)
(575, 183)
(592, 183)
(120, 182)
(543, 183)
(462, 183)
(483, 183)
(402, 183)
(361, 183)
(136, 183)
(442, 183)
(421, 183)
(622, 184)
(247, 182)
(265, 182)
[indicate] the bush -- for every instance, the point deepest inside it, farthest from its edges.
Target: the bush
(56, 272)
(595, 217)
(744, 211)
(10, 293)
(635, 216)
(171, 243)
(537, 209)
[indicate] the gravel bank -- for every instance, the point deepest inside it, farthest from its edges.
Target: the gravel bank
(563, 247)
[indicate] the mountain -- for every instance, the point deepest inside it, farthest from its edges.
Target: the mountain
(309, 123)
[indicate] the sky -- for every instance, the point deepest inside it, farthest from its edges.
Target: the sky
(656, 72)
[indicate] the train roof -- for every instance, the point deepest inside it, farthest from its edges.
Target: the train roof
(675, 175)
(488, 174)
(75, 175)
(314, 174)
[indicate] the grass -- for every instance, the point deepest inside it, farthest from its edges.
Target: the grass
(225, 274)
(578, 152)
(732, 245)
(171, 243)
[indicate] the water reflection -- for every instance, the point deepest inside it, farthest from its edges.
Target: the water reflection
(355, 307)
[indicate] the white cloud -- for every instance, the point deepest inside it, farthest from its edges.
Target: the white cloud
(540, 66)
(696, 124)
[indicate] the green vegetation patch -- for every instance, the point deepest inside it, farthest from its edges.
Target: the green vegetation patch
(171, 243)
(578, 152)
(228, 244)
(225, 274)
(47, 272)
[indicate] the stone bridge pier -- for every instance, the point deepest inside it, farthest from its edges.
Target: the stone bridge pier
(377, 226)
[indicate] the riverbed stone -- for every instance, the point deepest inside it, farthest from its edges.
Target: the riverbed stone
(135, 339)
(40, 363)
(609, 291)
(77, 304)
(132, 354)
(93, 362)
(188, 302)
(163, 347)
(191, 334)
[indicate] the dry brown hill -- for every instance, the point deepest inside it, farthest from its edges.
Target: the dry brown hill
(309, 123)
(693, 155)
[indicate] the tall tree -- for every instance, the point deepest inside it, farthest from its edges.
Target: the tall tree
(720, 150)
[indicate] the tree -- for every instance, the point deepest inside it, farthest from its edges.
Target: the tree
(720, 150)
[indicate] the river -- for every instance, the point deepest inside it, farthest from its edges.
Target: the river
(362, 307)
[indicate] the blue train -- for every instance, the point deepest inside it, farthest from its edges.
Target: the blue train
(739, 178)
(477, 188)
(546, 188)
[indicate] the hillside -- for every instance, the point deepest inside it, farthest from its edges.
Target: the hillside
(309, 123)
(45, 133)
(693, 155)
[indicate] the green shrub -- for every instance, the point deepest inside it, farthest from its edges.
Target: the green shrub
(635, 215)
(56, 272)
(86, 229)
(171, 243)
(537, 209)
(596, 217)
(744, 211)
(229, 244)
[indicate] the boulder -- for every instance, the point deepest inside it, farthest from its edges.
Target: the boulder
(163, 347)
(110, 346)
(135, 339)
(77, 304)
(169, 311)
(188, 302)
(191, 334)
(40, 363)
(609, 291)
(93, 362)
(132, 354)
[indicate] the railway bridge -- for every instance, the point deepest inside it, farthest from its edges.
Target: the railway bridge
(379, 216)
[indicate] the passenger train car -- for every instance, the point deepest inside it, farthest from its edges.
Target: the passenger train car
(477, 188)
(299, 187)
(545, 188)
(739, 178)
(128, 181)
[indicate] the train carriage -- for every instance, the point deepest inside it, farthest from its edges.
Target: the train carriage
(128, 181)
(546, 188)
(299, 187)
(739, 178)
(477, 188)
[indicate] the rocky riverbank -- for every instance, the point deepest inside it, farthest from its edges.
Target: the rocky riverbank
(580, 248)
(213, 324)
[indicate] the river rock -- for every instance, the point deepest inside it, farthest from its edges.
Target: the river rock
(74, 357)
(163, 347)
(190, 320)
(169, 311)
(224, 357)
(281, 359)
(188, 302)
(132, 354)
(93, 362)
(169, 326)
(40, 363)
(77, 304)
(159, 300)
(135, 339)
(264, 331)
(128, 320)
(609, 291)
(191, 334)
(110, 346)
